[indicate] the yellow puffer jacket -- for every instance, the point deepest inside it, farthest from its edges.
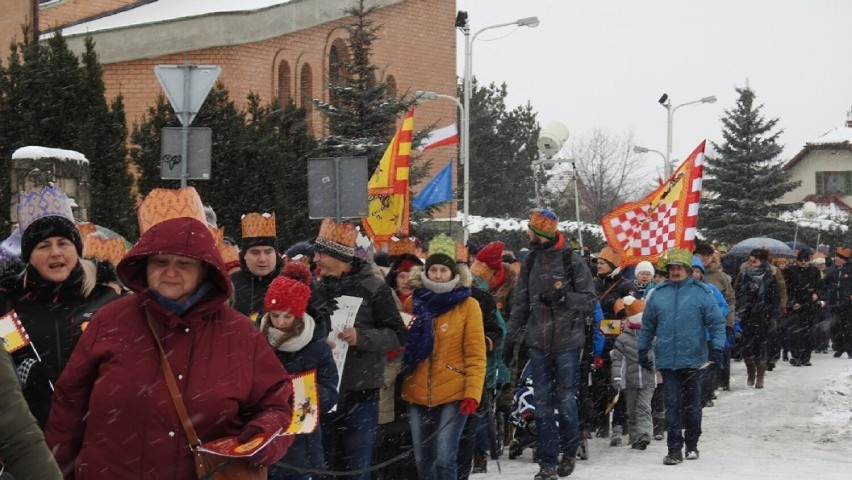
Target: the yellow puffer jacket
(456, 368)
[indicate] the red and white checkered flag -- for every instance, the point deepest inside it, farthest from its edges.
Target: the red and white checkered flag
(665, 219)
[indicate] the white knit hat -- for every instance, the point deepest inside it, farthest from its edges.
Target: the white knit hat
(644, 266)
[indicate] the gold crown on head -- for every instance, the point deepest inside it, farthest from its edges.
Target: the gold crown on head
(256, 225)
(339, 238)
(462, 253)
(398, 246)
(163, 204)
(98, 246)
(443, 244)
(48, 201)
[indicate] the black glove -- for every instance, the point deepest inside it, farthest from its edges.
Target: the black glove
(717, 356)
(645, 360)
(552, 298)
(34, 374)
(508, 353)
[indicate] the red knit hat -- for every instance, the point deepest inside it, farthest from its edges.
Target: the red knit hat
(297, 271)
(492, 256)
(287, 295)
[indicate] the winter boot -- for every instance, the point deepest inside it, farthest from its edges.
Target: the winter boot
(566, 465)
(480, 463)
(761, 371)
(546, 473)
(673, 458)
(751, 370)
(616, 436)
(642, 443)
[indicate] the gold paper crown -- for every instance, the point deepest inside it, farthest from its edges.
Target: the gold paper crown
(163, 204)
(111, 250)
(49, 201)
(86, 228)
(230, 253)
(444, 245)
(258, 225)
(844, 252)
(399, 246)
(462, 253)
(543, 222)
(336, 237)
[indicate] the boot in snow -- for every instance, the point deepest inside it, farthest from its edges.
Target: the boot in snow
(673, 458)
(546, 473)
(566, 466)
(750, 368)
(480, 463)
(761, 371)
(642, 442)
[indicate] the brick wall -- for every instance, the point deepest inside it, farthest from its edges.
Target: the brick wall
(69, 11)
(15, 13)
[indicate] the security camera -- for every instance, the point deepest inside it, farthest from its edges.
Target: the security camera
(551, 138)
(663, 99)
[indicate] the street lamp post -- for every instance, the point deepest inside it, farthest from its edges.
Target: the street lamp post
(463, 23)
(639, 149)
(667, 103)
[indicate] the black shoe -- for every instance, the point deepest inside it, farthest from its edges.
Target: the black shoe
(546, 473)
(795, 362)
(807, 364)
(642, 443)
(708, 403)
(566, 465)
(770, 366)
(692, 455)
(673, 458)
(480, 463)
(837, 354)
(583, 451)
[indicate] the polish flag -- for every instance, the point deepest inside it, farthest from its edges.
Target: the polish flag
(441, 137)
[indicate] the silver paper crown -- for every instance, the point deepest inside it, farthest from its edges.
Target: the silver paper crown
(48, 201)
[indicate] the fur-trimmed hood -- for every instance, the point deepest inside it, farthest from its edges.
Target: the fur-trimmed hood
(415, 282)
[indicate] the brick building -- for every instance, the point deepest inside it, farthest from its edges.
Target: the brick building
(277, 48)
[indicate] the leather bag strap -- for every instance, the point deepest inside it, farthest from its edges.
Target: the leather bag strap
(177, 397)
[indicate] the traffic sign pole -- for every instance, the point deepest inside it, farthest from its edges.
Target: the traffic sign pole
(184, 129)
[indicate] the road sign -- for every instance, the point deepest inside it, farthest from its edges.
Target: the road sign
(337, 187)
(186, 87)
(200, 144)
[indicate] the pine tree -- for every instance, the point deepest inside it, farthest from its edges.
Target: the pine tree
(502, 145)
(361, 112)
(745, 178)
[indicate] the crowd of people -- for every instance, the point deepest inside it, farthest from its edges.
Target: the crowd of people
(127, 368)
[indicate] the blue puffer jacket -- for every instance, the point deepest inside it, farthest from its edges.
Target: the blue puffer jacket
(677, 315)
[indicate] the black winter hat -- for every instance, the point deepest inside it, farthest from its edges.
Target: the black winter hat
(46, 227)
(442, 259)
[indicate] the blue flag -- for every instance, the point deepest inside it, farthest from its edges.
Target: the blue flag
(440, 189)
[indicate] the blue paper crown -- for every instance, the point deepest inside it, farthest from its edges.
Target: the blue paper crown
(49, 201)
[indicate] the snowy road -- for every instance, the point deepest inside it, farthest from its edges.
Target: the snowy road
(798, 427)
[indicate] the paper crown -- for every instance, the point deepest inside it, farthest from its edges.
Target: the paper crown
(256, 225)
(98, 246)
(634, 306)
(462, 253)
(543, 222)
(163, 204)
(46, 202)
(846, 253)
(398, 246)
(86, 228)
(613, 256)
(444, 245)
(337, 238)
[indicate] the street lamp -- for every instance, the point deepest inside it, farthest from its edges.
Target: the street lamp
(463, 23)
(667, 102)
(639, 149)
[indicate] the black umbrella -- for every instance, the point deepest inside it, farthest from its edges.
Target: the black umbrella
(775, 247)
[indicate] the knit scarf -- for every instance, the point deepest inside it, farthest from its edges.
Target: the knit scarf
(428, 305)
(280, 339)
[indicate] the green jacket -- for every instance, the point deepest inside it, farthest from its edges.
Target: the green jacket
(22, 446)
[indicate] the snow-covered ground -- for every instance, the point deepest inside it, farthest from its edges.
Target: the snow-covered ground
(798, 427)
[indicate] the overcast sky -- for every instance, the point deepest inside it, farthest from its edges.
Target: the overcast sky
(606, 63)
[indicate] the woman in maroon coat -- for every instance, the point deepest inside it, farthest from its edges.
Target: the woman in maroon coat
(113, 416)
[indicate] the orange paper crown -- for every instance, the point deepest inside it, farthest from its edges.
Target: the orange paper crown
(85, 228)
(398, 246)
(111, 250)
(543, 222)
(163, 204)
(844, 252)
(256, 225)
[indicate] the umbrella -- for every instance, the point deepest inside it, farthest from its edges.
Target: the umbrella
(800, 246)
(775, 247)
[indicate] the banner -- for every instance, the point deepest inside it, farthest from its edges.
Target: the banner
(438, 190)
(388, 187)
(665, 219)
(440, 137)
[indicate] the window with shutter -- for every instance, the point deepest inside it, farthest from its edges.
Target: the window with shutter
(819, 186)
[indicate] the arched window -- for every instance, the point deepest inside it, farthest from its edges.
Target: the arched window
(284, 83)
(306, 88)
(338, 56)
(390, 81)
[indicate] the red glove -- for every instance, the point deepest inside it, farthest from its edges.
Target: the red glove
(598, 363)
(468, 406)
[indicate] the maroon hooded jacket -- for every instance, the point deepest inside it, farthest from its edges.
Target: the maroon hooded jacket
(113, 416)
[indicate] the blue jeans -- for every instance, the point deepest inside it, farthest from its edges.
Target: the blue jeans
(435, 434)
(554, 377)
(348, 436)
(682, 389)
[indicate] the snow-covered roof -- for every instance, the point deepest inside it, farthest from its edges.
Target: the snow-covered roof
(164, 10)
(46, 152)
(835, 135)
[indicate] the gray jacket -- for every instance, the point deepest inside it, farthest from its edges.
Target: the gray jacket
(625, 362)
(554, 298)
